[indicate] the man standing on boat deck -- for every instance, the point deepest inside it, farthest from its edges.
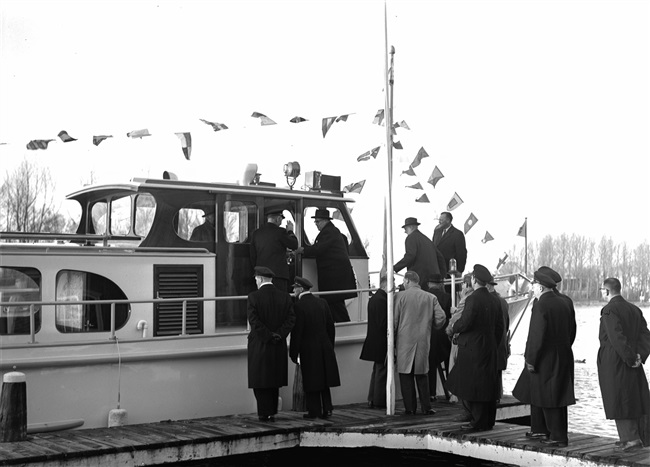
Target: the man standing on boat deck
(419, 253)
(474, 376)
(206, 231)
(332, 264)
(624, 347)
(269, 246)
(546, 382)
(375, 347)
(417, 313)
(450, 241)
(271, 318)
(440, 344)
(312, 340)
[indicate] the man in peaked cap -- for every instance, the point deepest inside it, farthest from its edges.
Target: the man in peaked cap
(269, 245)
(312, 340)
(474, 376)
(419, 253)
(546, 382)
(271, 318)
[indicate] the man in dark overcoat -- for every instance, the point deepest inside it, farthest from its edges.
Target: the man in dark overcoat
(474, 376)
(440, 343)
(624, 347)
(503, 349)
(375, 347)
(419, 253)
(269, 246)
(450, 241)
(546, 382)
(332, 263)
(312, 340)
(271, 318)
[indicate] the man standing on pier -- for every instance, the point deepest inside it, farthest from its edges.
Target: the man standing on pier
(546, 382)
(271, 318)
(624, 347)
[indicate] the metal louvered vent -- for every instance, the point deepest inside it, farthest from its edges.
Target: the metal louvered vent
(178, 282)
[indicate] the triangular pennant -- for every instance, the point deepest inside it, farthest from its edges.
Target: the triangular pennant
(343, 118)
(355, 187)
(454, 202)
(368, 154)
(523, 230)
(419, 156)
(65, 137)
(215, 126)
(502, 261)
(327, 124)
(487, 237)
(98, 139)
(410, 171)
(402, 124)
(422, 199)
(297, 119)
(38, 144)
(138, 133)
(417, 186)
(186, 144)
(379, 117)
(436, 175)
(469, 223)
(397, 145)
(264, 120)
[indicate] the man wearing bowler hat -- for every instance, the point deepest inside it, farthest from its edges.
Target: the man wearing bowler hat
(419, 253)
(474, 376)
(332, 264)
(546, 382)
(271, 318)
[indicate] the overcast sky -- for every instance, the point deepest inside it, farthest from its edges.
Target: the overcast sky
(536, 109)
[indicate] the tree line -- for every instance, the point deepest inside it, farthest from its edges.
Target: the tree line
(584, 263)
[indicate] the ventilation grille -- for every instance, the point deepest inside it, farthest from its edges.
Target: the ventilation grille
(178, 282)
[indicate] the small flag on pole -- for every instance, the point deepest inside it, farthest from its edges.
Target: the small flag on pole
(264, 120)
(397, 145)
(502, 261)
(422, 199)
(409, 172)
(343, 118)
(297, 119)
(138, 133)
(186, 144)
(401, 124)
(487, 238)
(215, 126)
(327, 124)
(65, 137)
(98, 139)
(523, 230)
(38, 144)
(379, 117)
(368, 154)
(419, 156)
(417, 186)
(436, 175)
(454, 202)
(355, 187)
(469, 223)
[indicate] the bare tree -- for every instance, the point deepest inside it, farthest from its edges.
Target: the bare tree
(27, 202)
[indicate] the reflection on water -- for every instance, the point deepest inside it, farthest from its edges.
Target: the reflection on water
(587, 415)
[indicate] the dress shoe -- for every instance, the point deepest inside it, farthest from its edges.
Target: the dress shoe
(554, 444)
(629, 445)
(430, 412)
(267, 418)
(409, 412)
(533, 435)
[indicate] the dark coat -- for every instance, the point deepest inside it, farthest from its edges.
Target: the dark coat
(474, 376)
(375, 347)
(623, 334)
(503, 349)
(313, 340)
(451, 245)
(332, 263)
(440, 343)
(269, 311)
(419, 256)
(548, 348)
(269, 246)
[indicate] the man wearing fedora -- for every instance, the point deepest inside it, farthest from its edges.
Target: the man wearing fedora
(419, 253)
(546, 382)
(474, 376)
(269, 246)
(271, 318)
(332, 264)
(312, 340)
(206, 231)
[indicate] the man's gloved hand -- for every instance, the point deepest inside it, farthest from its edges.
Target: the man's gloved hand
(276, 337)
(530, 367)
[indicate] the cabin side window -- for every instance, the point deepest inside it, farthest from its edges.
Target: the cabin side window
(121, 216)
(19, 285)
(195, 222)
(73, 286)
(239, 221)
(145, 209)
(98, 217)
(311, 231)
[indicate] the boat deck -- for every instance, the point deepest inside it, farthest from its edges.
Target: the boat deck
(353, 425)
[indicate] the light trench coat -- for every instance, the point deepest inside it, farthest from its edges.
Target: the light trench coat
(416, 312)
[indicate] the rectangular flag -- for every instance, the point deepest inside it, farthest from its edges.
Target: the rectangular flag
(355, 187)
(523, 230)
(186, 144)
(487, 237)
(38, 144)
(368, 154)
(454, 202)
(436, 175)
(418, 158)
(469, 223)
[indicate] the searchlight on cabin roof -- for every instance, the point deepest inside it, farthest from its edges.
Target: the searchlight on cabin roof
(291, 172)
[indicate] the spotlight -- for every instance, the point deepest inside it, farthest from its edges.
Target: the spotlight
(291, 172)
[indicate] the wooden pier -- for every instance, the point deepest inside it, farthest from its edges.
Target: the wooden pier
(350, 426)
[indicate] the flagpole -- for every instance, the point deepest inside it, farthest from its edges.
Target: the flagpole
(388, 214)
(526, 246)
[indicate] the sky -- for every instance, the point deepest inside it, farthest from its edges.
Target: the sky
(533, 110)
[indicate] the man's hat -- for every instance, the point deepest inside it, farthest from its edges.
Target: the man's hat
(437, 278)
(302, 282)
(544, 279)
(275, 212)
(550, 273)
(481, 273)
(410, 221)
(321, 214)
(264, 272)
